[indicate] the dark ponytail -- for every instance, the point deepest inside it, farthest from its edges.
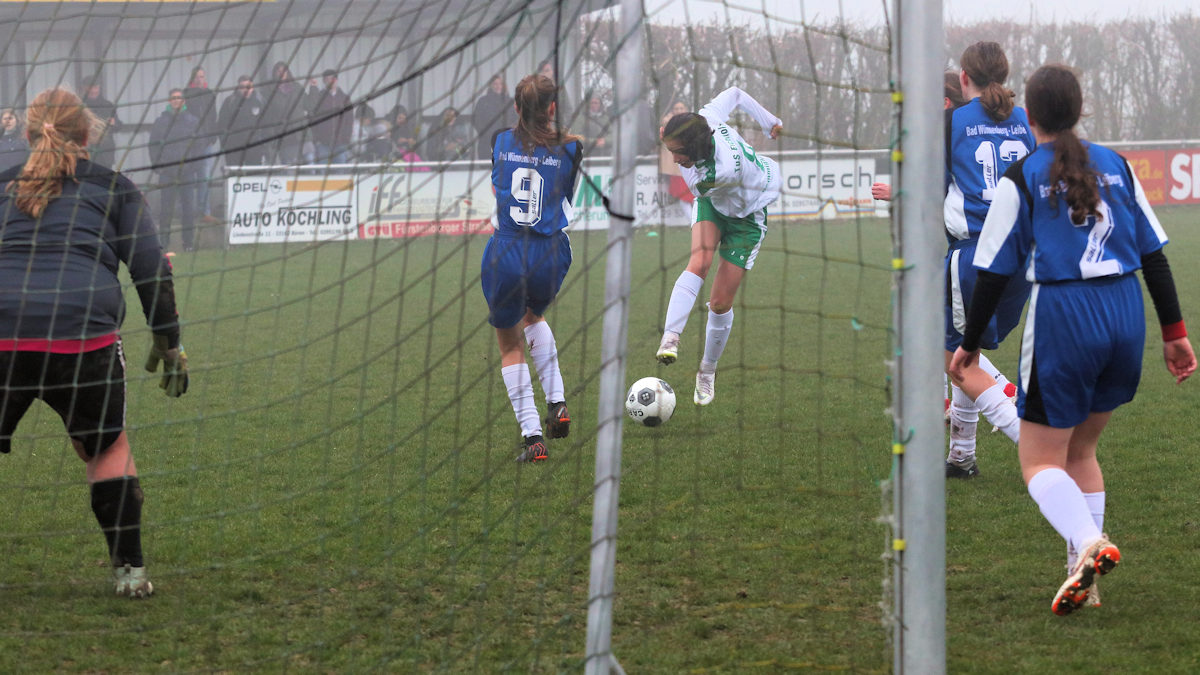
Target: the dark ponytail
(987, 66)
(534, 127)
(1054, 102)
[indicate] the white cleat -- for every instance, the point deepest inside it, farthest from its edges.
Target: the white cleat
(668, 349)
(131, 582)
(706, 388)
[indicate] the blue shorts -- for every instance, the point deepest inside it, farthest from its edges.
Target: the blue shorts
(960, 286)
(1082, 349)
(523, 272)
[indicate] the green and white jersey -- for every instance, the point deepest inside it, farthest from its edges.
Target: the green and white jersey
(738, 180)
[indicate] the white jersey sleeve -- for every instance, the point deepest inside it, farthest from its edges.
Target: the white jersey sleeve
(718, 110)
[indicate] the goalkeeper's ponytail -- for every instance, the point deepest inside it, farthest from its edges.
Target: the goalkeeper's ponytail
(58, 129)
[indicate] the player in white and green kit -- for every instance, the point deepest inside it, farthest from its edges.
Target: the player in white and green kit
(733, 186)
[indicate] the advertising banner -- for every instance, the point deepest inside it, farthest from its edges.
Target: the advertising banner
(829, 188)
(424, 203)
(266, 209)
(1150, 167)
(1183, 176)
(458, 200)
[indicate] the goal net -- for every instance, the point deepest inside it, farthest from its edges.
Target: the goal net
(338, 490)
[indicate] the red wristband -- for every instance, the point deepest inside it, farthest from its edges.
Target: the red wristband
(1174, 331)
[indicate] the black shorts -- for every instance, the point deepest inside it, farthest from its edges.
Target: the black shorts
(86, 390)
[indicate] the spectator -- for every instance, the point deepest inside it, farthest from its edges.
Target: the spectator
(103, 144)
(285, 114)
(493, 111)
(173, 149)
(372, 140)
(201, 102)
(333, 127)
(451, 140)
(677, 108)
(14, 149)
(647, 134)
(566, 112)
(596, 126)
(241, 115)
(404, 133)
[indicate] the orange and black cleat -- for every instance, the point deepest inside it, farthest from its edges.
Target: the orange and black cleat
(1099, 558)
(558, 420)
(535, 450)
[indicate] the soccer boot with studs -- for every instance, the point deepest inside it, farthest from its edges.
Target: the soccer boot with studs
(558, 420)
(1098, 558)
(535, 450)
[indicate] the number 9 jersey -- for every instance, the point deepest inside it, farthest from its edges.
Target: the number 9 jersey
(978, 152)
(533, 188)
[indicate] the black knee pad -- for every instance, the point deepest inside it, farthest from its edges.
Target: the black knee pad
(117, 501)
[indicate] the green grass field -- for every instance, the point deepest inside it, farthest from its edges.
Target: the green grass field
(337, 494)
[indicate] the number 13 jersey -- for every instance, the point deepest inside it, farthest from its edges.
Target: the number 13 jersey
(533, 188)
(978, 152)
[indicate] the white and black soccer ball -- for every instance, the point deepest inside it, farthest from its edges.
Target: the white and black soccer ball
(650, 401)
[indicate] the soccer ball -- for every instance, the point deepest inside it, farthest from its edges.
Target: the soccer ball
(650, 401)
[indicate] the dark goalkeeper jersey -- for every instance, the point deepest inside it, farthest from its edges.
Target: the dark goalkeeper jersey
(58, 273)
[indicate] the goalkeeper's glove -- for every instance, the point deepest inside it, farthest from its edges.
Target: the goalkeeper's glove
(175, 370)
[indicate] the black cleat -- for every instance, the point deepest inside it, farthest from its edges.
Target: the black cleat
(558, 420)
(535, 450)
(968, 469)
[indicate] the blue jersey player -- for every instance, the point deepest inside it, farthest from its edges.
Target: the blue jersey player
(534, 169)
(983, 138)
(1073, 219)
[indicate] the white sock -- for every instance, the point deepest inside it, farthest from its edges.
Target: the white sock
(683, 298)
(1095, 502)
(1063, 505)
(715, 338)
(520, 394)
(991, 369)
(964, 418)
(1000, 411)
(544, 353)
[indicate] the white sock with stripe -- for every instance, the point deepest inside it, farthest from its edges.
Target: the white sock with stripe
(991, 369)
